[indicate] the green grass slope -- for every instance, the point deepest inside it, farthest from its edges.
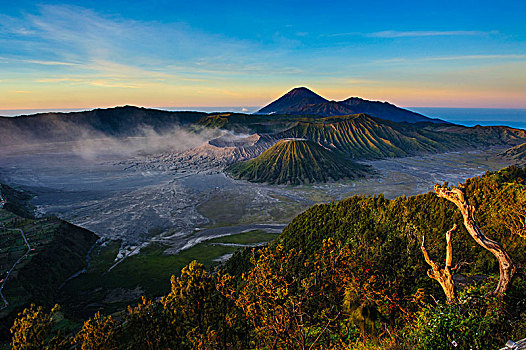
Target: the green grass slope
(296, 162)
(364, 137)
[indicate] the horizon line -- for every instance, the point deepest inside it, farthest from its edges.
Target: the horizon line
(191, 108)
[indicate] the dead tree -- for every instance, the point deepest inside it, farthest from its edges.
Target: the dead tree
(444, 276)
(507, 269)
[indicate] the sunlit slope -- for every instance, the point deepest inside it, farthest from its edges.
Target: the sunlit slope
(361, 136)
(482, 136)
(296, 162)
(516, 154)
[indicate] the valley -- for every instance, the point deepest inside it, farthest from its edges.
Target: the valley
(262, 175)
(161, 189)
(137, 206)
(154, 222)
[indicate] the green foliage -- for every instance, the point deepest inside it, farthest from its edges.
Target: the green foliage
(98, 333)
(343, 275)
(476, 322)
(55, 262)
(32, 330)
(148, 326)
(60, 250)
(201, 311)
(289, 313)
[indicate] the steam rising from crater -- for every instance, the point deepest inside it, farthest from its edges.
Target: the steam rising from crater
(85, 141)
(145, 141)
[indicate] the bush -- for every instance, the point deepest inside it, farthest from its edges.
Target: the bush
(476, 322)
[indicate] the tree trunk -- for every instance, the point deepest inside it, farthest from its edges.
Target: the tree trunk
(444, 276)
(507, 269)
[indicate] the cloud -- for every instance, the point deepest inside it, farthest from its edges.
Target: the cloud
(112, 85)
(88, 143)
(64, 35)
(59, 80)
(475, 57)
(92, 144)
(403, 60)
(51, 63)
(407, 34)
(344, 34)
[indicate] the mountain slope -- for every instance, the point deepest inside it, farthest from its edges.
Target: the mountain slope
(58, 250)
(301, 101)
(118, 121)
(364, 137)
(481, 136)
(297, 161)
(384, 110)
(516, 154)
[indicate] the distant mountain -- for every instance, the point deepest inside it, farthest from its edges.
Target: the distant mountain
(293, 100)
(297, 161)
(302, 101)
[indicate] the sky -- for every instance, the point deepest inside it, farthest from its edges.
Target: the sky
(160, 53)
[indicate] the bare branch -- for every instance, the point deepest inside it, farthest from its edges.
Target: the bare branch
(449, 248)
(444, 276)
(507, 268)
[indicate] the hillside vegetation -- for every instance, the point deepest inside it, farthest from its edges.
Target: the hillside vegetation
(342, 275)
(516, 154)
(59, 250)
(297, 161)
(363, 137)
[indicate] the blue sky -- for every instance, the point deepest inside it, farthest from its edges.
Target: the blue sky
(87, 54)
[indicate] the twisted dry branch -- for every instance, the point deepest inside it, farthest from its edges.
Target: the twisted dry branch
(506, 266)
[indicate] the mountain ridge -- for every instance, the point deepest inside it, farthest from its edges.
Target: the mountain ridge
(302, 101)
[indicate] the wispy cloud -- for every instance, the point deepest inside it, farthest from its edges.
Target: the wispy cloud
(104, 46)
(475, 57)
(424, 33)
(104, 83)
(59, 80)
(481, 57)
(65, 54)
(51, 63)
(333, 35)
(413, 33)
